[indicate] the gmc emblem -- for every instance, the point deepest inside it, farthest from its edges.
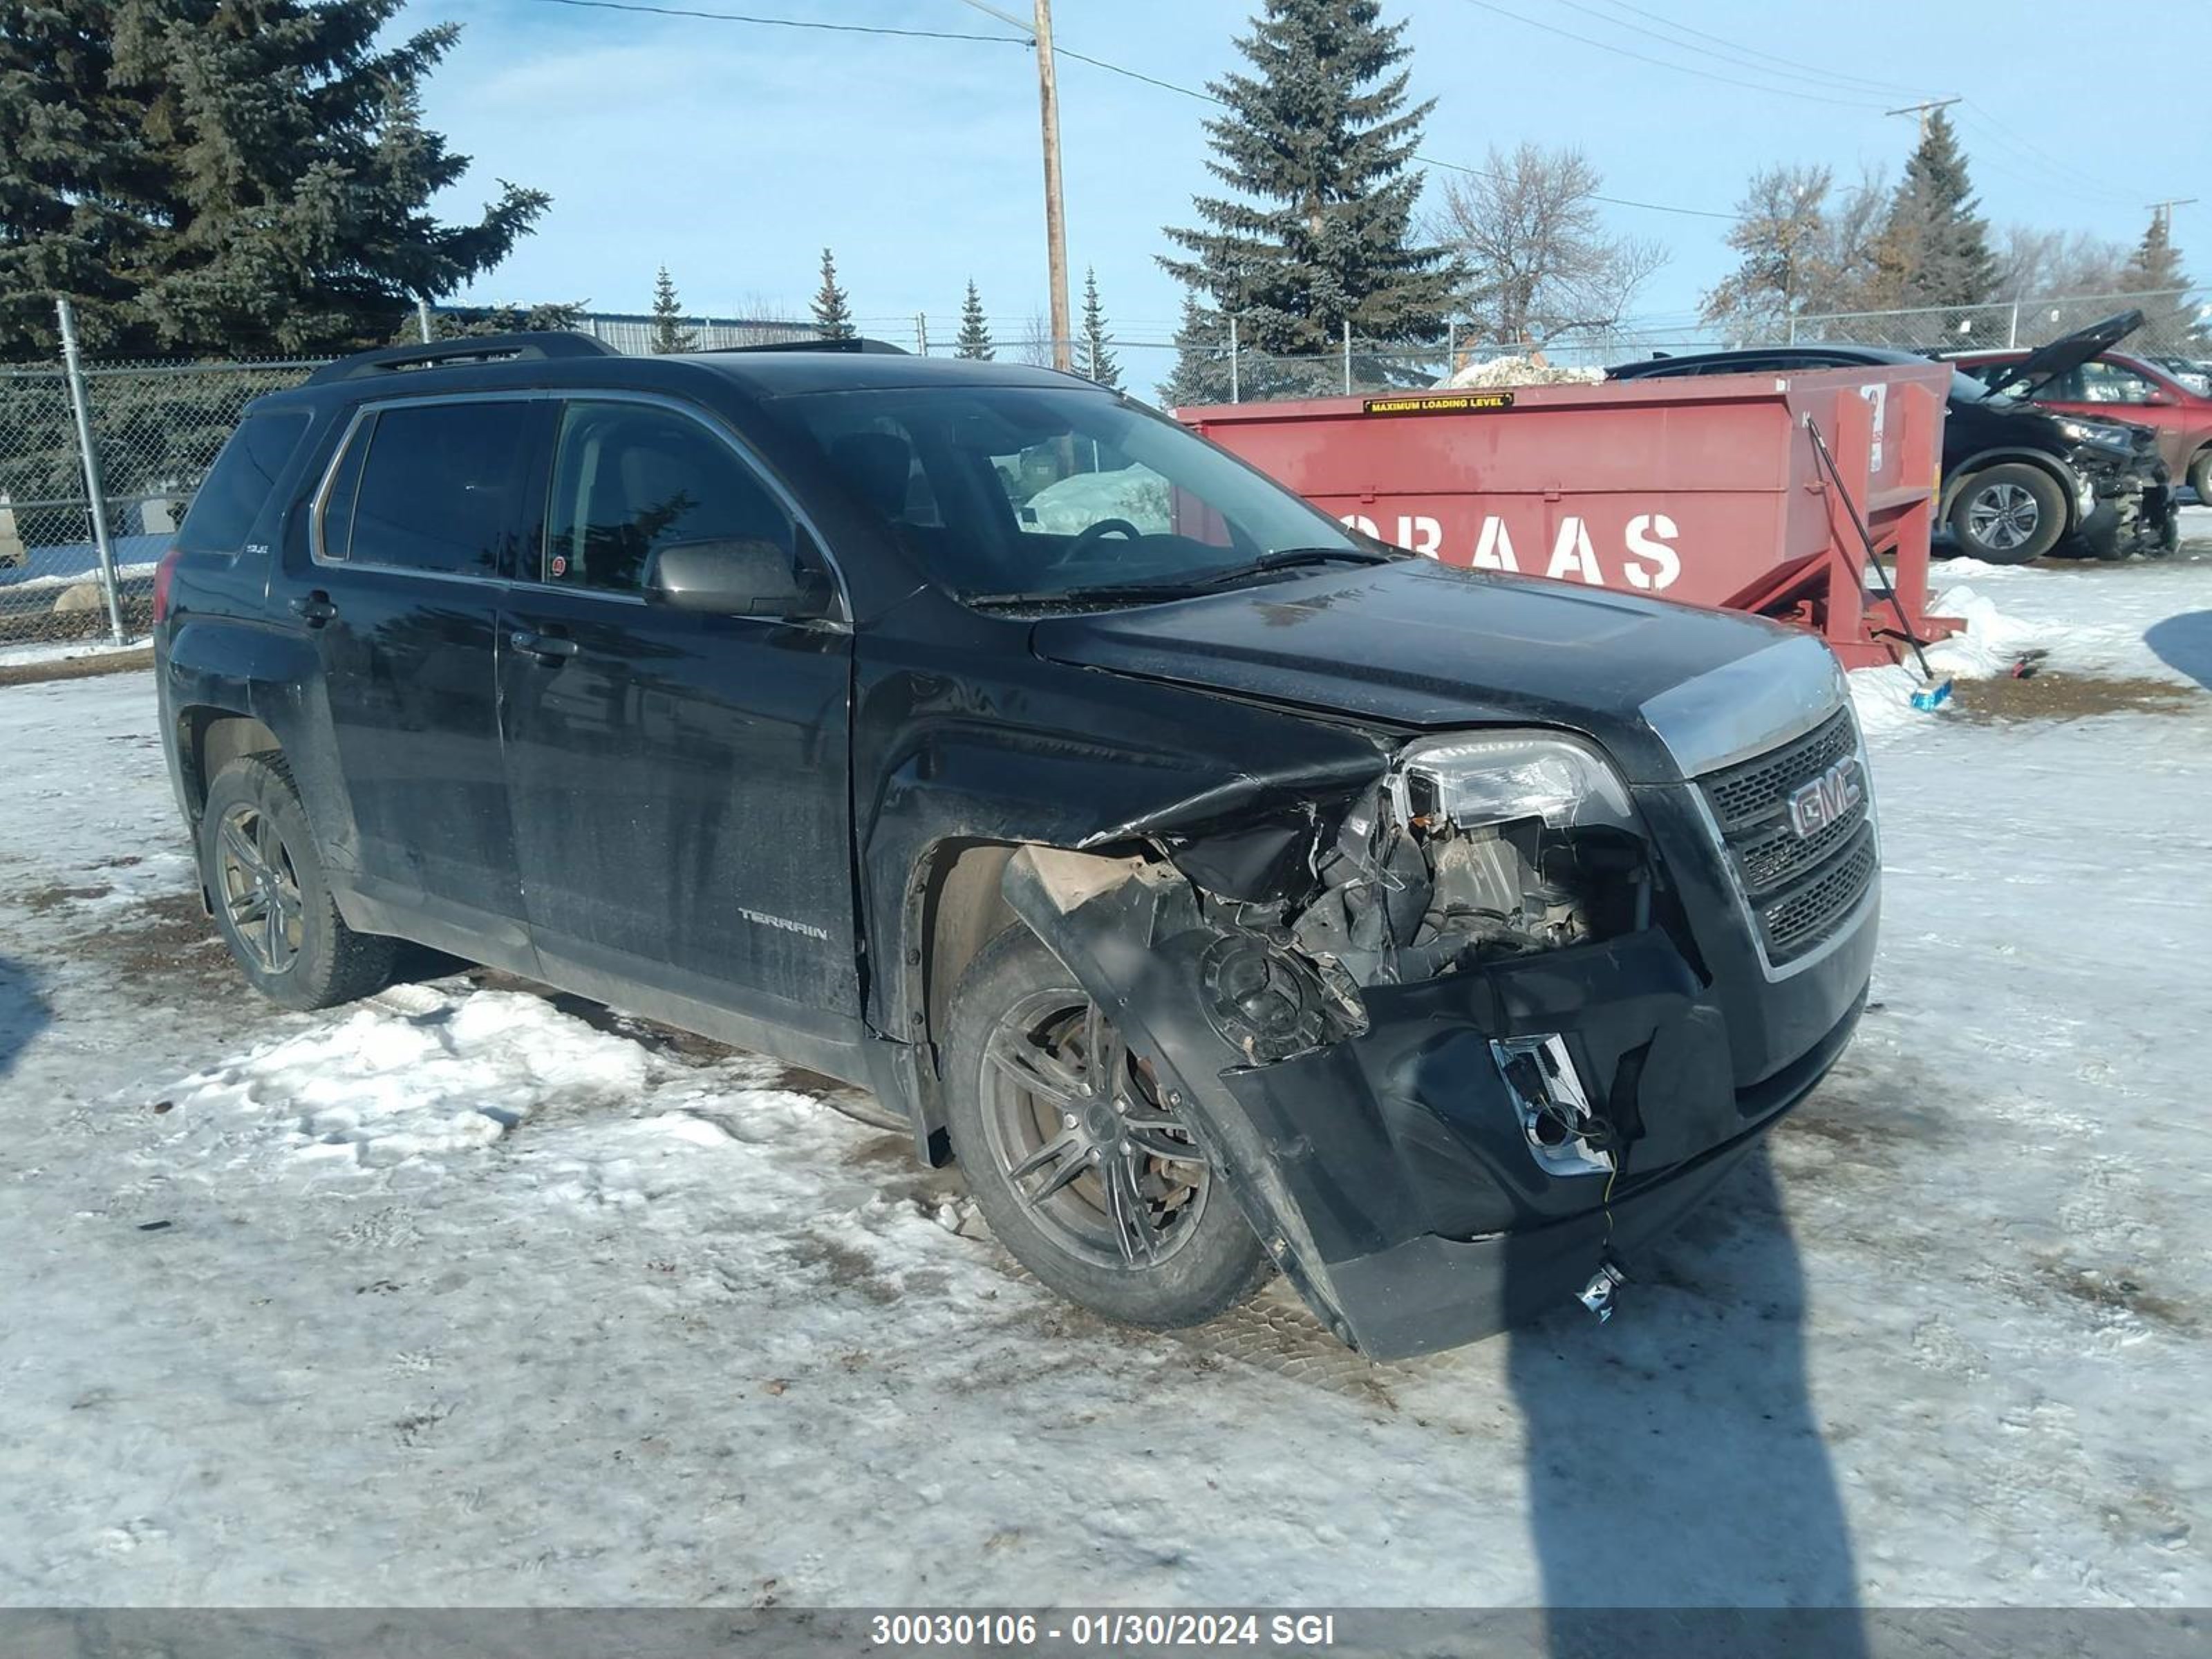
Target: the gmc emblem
(1825, 800)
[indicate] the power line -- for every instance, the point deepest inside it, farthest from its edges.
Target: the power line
(2051, 163)
(1679, 69)
(1825, 76)
(787, 22)
(1792, 71)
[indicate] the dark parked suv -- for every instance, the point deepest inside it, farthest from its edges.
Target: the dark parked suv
(1223, 891)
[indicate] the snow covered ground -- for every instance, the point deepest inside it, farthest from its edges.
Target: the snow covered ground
(467, 1294)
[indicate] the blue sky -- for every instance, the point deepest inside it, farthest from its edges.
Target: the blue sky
(734, 153)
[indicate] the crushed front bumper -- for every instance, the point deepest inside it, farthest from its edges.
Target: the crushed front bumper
(1388, 1173)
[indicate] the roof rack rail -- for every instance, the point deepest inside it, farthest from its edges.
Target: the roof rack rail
(854, 342)
(483, 348)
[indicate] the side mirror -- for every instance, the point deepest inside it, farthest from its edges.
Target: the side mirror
(739, 579)
(2160, 397)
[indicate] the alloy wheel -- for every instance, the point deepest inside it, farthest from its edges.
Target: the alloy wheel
(258, 887)
(1096, 1158)
(2004, 516)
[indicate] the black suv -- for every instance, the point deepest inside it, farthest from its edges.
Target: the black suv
(2017, 484)
(1223, 891)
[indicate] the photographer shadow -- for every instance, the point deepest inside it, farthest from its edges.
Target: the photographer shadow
(1675, 1460)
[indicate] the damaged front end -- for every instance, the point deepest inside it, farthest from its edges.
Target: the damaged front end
(1447, 1033)
(2127, 503)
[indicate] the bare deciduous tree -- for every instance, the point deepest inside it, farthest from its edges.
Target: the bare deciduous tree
(2035, 263)
(1034, 346)
(1807, 251)
(1534, 242)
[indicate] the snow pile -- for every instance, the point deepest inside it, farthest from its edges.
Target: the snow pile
(381, 1086)
(39, 652)
(1989, 645)
(2080, 618)
(1074, 504)
(1520, 371)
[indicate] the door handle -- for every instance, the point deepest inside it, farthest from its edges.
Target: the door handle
(314, 608)
(551, 649)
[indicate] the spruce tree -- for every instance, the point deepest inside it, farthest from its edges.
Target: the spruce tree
(2154, 270)
(254, 178)
(1200, 374)
(1935, 247)
(1098, 362)
(975, 337)
(1318, 232)
(669, 334)
(69, 149)
(833, 313)
(2155, 265)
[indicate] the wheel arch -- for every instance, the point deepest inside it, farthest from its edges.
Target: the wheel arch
(211, 737)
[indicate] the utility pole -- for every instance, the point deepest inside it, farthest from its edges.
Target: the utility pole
(1039, 29)
(1055, 227)
(1924, 108)
(2162, 212)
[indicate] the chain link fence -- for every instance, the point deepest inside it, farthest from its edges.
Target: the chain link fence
(155, 429)
(2177, 323)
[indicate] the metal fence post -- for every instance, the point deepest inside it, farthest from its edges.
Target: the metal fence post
(1347, 356)
(1236, 391)
(96, 496)
(2012, 333)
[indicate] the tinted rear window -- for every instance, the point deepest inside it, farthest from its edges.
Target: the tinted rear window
(223, 513)
(438, 487)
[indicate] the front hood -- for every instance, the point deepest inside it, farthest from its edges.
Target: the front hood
(2068, 351)
(1418, 644)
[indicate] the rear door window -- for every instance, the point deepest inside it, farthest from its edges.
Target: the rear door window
(245, 474)
(435, 488)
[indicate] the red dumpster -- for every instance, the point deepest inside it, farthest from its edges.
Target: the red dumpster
(1707, 490)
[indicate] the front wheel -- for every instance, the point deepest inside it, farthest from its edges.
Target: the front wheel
(1085, 1170)
(2200, 476)
(271, 900)
(2009, 514)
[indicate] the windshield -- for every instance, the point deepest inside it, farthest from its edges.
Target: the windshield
(1034, 493)
(1966, 388)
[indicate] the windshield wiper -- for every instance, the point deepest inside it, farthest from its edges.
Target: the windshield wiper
(1292, 558)
(1127, 593)
(1183, 588)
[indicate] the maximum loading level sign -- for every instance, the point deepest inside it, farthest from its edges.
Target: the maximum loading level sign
(1435, 403)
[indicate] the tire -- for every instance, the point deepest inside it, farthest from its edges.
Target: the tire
(2200, 476)
(1186, 1253)
(2009, 514)
(271, 900)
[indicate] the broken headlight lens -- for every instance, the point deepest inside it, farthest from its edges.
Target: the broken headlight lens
(2098, 436)
(1487, 778)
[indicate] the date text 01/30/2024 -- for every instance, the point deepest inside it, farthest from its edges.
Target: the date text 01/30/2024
(1109, 1629)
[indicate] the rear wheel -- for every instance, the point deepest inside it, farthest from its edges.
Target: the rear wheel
(271, 900)
(1085, 1170)
(2009, 514)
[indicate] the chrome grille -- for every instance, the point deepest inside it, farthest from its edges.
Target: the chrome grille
(1798, 888)
(1801, 917)
(1762, 786)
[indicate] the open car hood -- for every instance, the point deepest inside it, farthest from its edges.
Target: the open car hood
(2068, 351)
(1414, 643)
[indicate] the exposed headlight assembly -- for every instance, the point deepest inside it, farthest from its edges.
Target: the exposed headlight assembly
(1478, 779)
(2097, 436)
